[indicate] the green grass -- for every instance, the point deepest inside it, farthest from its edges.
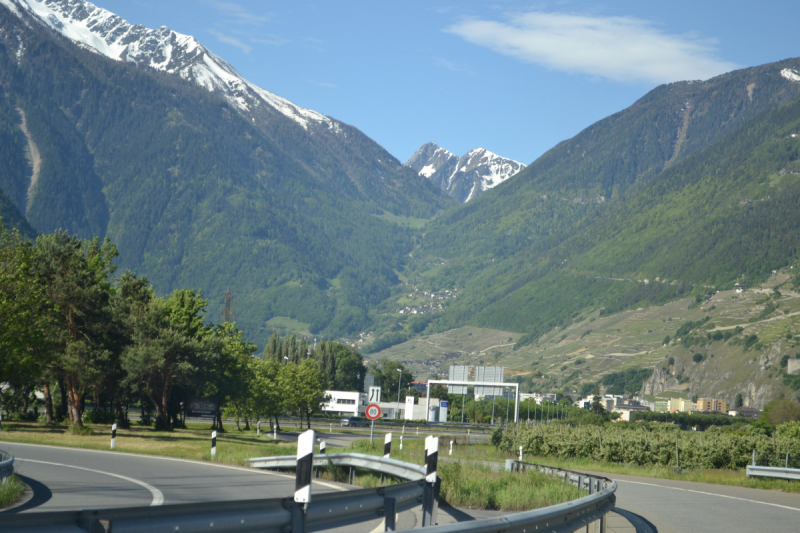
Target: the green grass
(11, 491)
(484, 452)
(469, 483)
(233, 447)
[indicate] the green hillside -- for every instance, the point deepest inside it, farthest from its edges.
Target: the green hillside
(193, 195)
(545, 247)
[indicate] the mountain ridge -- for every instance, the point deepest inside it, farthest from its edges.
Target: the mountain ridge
(352, 160)
(466, 177)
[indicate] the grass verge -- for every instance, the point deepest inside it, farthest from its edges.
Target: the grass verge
(11, 491)
(472, 484)
(233, 447)
(737, 478)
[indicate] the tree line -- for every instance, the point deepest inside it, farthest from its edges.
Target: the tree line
(72, 329)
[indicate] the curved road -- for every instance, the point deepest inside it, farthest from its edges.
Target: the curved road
(69, 478)
(683, 506)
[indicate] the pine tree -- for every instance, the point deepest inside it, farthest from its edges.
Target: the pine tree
(294, 355)
(273, 349)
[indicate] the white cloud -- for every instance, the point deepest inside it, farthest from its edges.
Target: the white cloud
(619, 48)
(449, 65)
(233, 41)
(238, 14)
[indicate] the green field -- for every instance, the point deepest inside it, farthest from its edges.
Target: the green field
(593, 346)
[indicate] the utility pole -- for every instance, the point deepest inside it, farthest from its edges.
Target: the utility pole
(227, 315)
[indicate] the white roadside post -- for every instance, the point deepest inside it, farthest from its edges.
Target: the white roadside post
(321, 452)
(451, 448)
(213, 443)
(302, 486)
(113, 436)
(258, 429)
(520, 454)
(431, 486)
(401, 442)
(387, 452)
(387, 445)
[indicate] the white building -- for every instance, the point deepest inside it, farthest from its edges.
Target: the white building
(345, 403)
(537, 396)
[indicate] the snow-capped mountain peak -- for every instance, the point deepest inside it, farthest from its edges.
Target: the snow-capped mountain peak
(160, 49)
(466, 177)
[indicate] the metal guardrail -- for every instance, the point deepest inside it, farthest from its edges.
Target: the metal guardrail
(329, 510)
(562, 518)
(774, 472)
(391, 467)
(6, 466)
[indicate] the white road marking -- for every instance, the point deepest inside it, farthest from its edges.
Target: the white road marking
(709, 494)
(204, 463)
(158, 497)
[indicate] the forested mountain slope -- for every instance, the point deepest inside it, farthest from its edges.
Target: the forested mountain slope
(190, 191)
(707, 199)
(343, 158)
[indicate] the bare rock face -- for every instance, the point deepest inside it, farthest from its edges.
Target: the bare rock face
(659, 382)
(758, 397)
(794, 366)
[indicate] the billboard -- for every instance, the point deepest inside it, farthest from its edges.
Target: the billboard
(458, 373)
(202, 407)
(491, 374)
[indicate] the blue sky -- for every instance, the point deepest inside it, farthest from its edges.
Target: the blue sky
(513, 77)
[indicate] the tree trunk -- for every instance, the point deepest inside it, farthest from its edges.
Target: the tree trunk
(64, 405)
(163, 406)
(48, 404)
(277, 424)
(74, 401)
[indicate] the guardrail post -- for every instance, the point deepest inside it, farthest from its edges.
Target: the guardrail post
(297, 512)
(754, 458)
(429, 490)
(96, 525)
(388, 514)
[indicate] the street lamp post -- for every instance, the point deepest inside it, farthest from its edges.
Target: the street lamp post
(507, 404)
(398, 391)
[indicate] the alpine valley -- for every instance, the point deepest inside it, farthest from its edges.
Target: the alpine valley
(569, 270)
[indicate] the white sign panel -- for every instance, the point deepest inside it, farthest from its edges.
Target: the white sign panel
(374, 395)
(409, 412)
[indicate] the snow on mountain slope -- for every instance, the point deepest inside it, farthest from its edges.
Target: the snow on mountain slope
(161, 49)
(791, 74)
(466, 177)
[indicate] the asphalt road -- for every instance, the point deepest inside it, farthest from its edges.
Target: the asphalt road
(68, 478)
(682, 506)
(64, 479)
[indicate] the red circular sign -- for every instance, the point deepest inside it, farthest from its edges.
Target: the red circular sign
(373, 411)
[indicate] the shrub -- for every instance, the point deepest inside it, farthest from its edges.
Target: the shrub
(697, 357)
(99, 416)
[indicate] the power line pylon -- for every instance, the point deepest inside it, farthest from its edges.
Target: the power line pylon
(227, 315)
